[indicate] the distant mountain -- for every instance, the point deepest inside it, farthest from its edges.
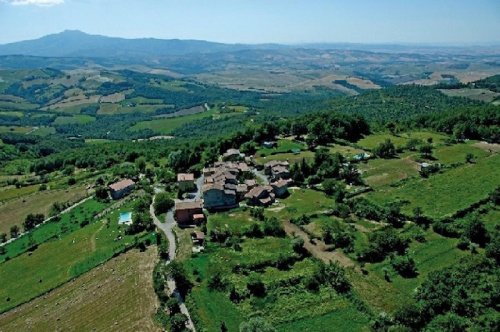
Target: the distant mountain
(73, 43)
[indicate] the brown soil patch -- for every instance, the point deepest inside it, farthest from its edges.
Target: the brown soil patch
(490, 147)
(319, 249)
(116, 296)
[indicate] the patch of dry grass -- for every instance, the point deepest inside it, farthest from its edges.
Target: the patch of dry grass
(116, 296)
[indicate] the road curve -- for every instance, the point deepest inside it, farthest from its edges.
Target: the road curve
(167, 228)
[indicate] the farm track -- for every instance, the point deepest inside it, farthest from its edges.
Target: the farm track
(318, 249)
(167, 228)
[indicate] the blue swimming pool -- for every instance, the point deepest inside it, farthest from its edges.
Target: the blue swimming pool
(125, 218)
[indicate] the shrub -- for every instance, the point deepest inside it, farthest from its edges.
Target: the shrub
(475, 231)
(405, 266)
(163, 203)
(385, 150)
(256, 286)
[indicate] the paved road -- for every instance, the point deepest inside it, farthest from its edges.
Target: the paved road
(167, 228)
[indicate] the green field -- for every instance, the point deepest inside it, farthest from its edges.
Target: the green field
(301, 201)
(167, 125)
(372, 141)
(437, 253)
(60, 259)
(457, 188)
(380, 172)
(76, 119)
(15, 129)
(235, 221)
(456, 153)
(15, 211)
(284, 146)
(290, 157)
(12, 192)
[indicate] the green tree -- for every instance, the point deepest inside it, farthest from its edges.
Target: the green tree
(255, 285)
(256, 324)
(3, 237)
(177, 271)
(426, 150)
(469, 158)
(476, 232)
(14, 231)
(178, 322)
(140, 164)
(163, 203)
(385, 149)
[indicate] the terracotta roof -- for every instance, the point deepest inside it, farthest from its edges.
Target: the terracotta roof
(274, 163)
(251, 183)
(280, 183)
(242, 188)
(231, 152)
(121, 184)
(185, 177)
(257, 191)
(215, 186)
(198, 235)
(280, 169)
(188, 205)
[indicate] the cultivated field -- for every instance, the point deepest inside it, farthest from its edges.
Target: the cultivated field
(456, 188)
(72, 250)
(15, 211)
(117, 295)
(475, 94)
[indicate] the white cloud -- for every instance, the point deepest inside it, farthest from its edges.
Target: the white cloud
(35, 2)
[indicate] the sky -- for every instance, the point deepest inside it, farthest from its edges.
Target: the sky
(454, 22)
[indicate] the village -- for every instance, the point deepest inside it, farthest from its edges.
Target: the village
(233, 181)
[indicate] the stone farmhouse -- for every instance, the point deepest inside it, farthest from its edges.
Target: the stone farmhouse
(187, 213)
(185, 181)
(121, 188)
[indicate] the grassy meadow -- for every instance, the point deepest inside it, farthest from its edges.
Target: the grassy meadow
(118, 295)
(457, 188)
(72, 250)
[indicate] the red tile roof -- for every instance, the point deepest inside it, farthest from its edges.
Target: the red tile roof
(121, 184)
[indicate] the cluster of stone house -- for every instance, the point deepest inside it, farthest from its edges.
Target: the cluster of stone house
(279, 181)
(227, 183)
(222, 188)
(277, 170)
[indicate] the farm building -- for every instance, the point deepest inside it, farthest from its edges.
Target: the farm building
(186, 181)
(218, 196)
(361, 156)
(185, 212)
(277, 169)
(198, 237)
(261, 195)
(270, 144)
(121, 188)
(232, 155)
(222, 189)
(280, 187)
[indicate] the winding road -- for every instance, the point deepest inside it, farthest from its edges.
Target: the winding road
(167, 228)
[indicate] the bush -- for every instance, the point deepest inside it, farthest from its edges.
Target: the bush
(385, 150)
(257, 213)
(163, 203)
(272, 227)
(475, 231)
(256, 286)
(383, 242)
(405, 266)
